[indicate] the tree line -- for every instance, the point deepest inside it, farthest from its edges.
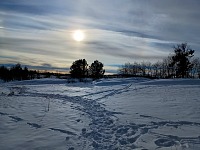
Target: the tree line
(16, 72)
(79, 69)
(180, 64)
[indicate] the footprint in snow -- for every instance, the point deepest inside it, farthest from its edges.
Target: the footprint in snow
(67, 138)
(78, 120)
(34, 125)
(165, 142)
(63, 131)
(16, 119)
(3, 114)
(84, 130)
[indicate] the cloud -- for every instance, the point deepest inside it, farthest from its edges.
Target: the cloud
(22, 6)
(116, 31)
(44, 67)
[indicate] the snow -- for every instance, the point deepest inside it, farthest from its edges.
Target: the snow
(117, 113)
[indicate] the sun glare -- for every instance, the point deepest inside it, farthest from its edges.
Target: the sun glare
(78, 35)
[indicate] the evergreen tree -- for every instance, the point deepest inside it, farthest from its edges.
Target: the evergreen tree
(181, 60)
(96, 69)
(79, 69)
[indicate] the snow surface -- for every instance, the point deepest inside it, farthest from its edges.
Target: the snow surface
(108, 114)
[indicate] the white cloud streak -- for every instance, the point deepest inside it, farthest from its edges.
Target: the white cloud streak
(116, 31)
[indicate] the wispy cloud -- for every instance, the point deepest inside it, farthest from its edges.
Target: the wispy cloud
(40, 32)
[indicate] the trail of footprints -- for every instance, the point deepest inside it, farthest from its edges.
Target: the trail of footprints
(35, 125)
(106, 134)
(104, 131)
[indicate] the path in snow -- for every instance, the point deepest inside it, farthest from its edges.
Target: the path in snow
(104, 130)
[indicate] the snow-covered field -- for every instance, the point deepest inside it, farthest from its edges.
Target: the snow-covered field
(131, 113)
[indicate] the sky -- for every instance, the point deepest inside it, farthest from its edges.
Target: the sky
(39, 33)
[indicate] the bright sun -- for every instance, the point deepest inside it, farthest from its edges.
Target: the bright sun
(78, 35)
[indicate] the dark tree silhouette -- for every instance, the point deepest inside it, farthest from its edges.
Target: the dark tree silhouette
(16, 72)
(96, 69)
(25, 74)
(196, 67)
(79, 69)
(5, 74)
(181, 60)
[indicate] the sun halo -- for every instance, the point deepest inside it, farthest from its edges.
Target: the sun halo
(78, 35)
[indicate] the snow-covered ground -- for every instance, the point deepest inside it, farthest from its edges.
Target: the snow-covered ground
(108, 114)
